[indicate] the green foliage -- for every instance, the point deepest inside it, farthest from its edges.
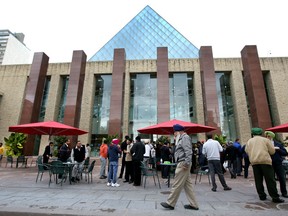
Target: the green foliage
(222, 139)
(58, 142)
(163, 139)
(111, 137)
(14, 144)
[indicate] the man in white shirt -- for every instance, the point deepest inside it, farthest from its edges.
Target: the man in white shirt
(147, 153)
(212, 149)
(78, 155)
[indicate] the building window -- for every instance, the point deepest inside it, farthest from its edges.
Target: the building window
(101, 107)
(62, 104)
(226, 107)
(44, 99)
(181, 93)
(143, 102)
(269, 94)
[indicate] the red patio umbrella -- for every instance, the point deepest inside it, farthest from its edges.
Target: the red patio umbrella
(47, 128)
(279, 128)
(167, 128)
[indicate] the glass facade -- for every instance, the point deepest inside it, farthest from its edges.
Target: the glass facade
(141, 37)
(101, 107)
(268, 87)
(226, 107)
(44, 99)
(247, 101)
(62, 104)
(181, 93)
(143, 102)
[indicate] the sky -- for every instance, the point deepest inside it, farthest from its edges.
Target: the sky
(58, 27)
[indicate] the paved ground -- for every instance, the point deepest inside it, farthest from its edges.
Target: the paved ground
(21, 195)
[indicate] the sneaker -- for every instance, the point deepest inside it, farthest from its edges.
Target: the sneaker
(115, 185)
(108, 184)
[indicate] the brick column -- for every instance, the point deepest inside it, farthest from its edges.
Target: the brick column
(117, 93)
(208, 81)
(33, 96)
(163, 103)
(75, 89)
(255, 87)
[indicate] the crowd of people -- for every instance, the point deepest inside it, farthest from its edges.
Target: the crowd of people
(262, 152)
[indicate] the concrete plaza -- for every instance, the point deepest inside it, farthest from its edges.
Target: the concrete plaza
(21, 195)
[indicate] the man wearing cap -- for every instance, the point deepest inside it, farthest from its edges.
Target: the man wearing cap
(259, 150)
(277, 159)
(212, 149)
(182, 179)
(113, 152)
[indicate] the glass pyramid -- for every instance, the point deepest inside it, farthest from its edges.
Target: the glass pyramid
(141, 37)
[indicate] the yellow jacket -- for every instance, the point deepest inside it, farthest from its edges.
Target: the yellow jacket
(259, 150)
(1, 150)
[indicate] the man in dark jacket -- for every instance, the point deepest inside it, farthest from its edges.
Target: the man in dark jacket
(123, 149)
(277, 159)
(64, 152)
(231, 157)
(113, 155)
(137, 151)
(48, 152)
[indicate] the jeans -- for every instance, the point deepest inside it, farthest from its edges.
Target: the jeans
(113, 168)
(103, 166)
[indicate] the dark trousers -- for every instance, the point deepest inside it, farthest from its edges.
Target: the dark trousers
(122, 167)
(280, 173)
(246, 166)
(265, 171)
(216, 167)
(137, 172)
(239, 165)
(129, 173)
(232, 167)
(165, 171)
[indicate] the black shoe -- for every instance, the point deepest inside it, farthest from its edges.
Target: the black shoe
(125, 181)
(191, 207)
(136, 184)
(130, 182)
(227, 188)
(102, 177)
(278, 200)
(120, 177)
(77, 179)
(167, 206)
(262, 198)
(73, 179)
(213, 189)
(285, 195)
(239, 175)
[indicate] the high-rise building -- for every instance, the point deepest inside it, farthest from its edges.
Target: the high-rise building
(12, 48)
(141, 37)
